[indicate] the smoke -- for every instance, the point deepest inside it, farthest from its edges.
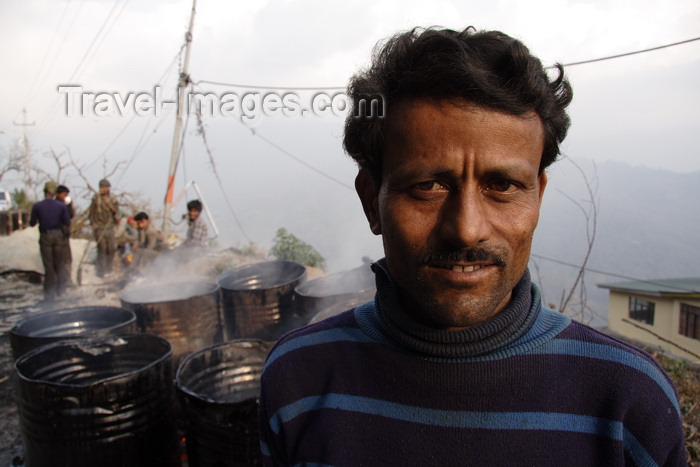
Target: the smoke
(175, 270)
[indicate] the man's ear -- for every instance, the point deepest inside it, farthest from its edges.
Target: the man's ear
(368, 190)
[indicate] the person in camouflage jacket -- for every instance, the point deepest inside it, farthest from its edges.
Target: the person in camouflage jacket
(103, 214)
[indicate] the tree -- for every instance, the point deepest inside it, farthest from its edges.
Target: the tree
(10, 161)
(289, 248)
(574, 300)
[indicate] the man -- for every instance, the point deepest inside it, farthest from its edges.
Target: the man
(456, 361)
(150, 240)
(197, 231)
(62, 193)
(103, 218)
(126, 235)
(53, 219)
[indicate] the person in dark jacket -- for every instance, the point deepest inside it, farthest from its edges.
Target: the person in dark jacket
(62, 195)
(54, 221)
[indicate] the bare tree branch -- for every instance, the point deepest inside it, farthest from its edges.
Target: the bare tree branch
(11, 161)
(591, 215)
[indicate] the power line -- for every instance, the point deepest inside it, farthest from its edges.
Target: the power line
(139, 146)
(627, 54)
(305, 164)
(99, 36)
(39, 73)
(611, 274)
(202, 132)
(327, 88)
(138, 149)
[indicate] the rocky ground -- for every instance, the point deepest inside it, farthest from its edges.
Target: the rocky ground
(16, 295)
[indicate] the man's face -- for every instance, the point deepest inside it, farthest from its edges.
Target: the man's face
(193, 214)
(104, 190)
(62, 196)
(143, 223)
(457, 207)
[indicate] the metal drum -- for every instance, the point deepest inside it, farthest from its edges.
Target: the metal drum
(218, 389)
(98, 402)
(186, 314)
(347, 288)
(258, 299)
(70, 323)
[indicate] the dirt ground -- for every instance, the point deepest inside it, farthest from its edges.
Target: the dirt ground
(16, 295)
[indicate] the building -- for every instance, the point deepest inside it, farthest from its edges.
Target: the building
(664, 313)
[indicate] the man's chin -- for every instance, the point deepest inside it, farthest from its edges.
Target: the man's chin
(456, 309)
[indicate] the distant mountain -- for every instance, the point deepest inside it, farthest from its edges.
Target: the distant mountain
(648, 227)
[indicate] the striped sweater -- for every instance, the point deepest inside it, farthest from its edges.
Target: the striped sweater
(530, 387)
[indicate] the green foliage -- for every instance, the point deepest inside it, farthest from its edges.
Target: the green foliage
(22, 200)
(676, 368)
(288, 247)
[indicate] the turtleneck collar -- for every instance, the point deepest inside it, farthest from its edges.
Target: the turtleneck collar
(506, 327)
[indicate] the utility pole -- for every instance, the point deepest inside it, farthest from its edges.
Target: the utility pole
(28, 188)
(184, 80)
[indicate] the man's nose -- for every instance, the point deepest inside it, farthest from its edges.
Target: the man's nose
(464, 220)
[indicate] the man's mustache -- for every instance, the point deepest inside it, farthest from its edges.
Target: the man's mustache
(469, 255)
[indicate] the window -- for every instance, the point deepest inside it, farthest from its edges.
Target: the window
(642, 310)
(690, 321)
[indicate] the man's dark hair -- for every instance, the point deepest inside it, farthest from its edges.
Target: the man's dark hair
(141, 216)
(485, 68)
(194, 204)
(62, 189)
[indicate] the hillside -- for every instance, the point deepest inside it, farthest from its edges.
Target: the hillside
(648, 227)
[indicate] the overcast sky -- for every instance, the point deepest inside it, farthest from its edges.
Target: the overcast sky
(641, 109)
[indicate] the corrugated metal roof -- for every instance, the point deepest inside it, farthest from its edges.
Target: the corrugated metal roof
(686, 285)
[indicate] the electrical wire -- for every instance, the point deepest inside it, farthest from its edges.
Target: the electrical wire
(201, 131)
(139, 146)
(326, 88)
(611, 274)
(627, 54)
(83, 61)
(138, 149)
(300, 161)
(39, 73)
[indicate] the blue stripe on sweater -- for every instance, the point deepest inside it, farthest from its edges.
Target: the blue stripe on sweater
(449, 418)
(637, 451)
(464, 419)
(316, 338)
(611, 354)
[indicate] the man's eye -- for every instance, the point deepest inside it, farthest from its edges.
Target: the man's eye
(428, 186)
(502, 186)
